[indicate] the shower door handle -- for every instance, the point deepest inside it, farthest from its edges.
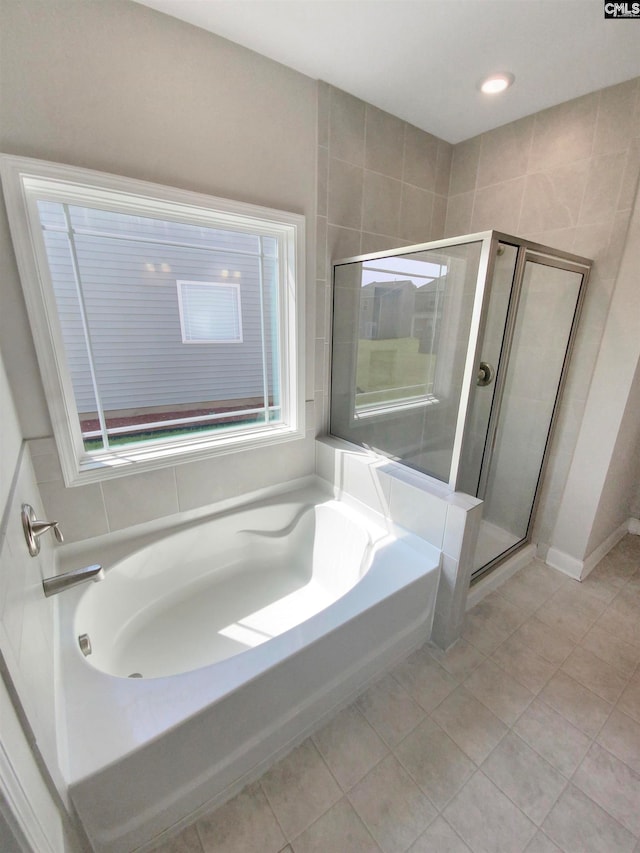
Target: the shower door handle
(485, 374)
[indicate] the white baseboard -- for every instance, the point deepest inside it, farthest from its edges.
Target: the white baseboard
(492, 580)
(557, 559)
(579, 569)
(610, 542)
(564, 563)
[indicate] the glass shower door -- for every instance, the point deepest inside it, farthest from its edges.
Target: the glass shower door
(405, 329)
(539, 335)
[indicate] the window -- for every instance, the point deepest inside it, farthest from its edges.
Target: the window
(167, 323)
(210, 312)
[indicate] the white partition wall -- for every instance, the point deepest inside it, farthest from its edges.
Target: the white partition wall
(448, 520)
(603, 477)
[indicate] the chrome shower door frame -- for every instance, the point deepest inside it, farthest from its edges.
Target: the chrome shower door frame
(545, 256)
(489, 241)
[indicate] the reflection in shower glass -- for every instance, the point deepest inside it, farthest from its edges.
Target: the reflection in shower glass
(398, 331)
(396, 384)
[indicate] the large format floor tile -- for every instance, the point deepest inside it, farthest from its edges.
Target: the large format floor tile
(350, 746)
(300, 788)
(549, 642)
(435, 762)
(523, 736)
(392, 712)
(541, 843)
(570, 613)
(499, 691)
(629, 702)
(621, 737)
(487, 820)
(473, 727)
(622, 656)
(392, 806)
(523, 662)
(460, 660)
(439, 838)
(338, 829)
(553, 737)
(425, 680)
(613, 785)
(524, 776)
(600, 677)
(578, 825)
(244, 823)
(578, 704)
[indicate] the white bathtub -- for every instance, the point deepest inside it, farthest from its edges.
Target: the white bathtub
(248, 628)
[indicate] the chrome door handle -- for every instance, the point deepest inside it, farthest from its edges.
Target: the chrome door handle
(485, 374)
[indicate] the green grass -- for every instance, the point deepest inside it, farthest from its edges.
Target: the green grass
(159, 434)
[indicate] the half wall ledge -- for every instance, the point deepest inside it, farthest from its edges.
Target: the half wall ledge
(448, 520)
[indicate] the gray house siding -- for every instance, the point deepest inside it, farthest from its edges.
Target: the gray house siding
(130, 294)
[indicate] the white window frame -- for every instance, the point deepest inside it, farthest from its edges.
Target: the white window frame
(25, 181)
(231, 285)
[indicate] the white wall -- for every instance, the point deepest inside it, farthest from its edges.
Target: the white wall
(118, 87)
(26, 648)
(448, 520)
(601, 480)
(635, 502)
(621, 484)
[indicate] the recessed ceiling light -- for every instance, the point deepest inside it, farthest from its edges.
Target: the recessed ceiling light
(496, 83)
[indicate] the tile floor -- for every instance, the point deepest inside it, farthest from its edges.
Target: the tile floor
(525, 736)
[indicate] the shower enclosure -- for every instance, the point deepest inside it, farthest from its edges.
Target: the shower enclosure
(450, 358)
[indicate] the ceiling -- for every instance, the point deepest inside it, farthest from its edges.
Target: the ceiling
(422, 60)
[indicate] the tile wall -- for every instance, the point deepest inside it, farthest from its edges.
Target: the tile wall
(91, 510)
(382, 183)
(565, 177)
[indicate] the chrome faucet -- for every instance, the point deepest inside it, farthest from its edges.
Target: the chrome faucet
(58, 583)
(33, 529)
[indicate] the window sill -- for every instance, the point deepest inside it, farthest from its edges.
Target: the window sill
(379, 410)
(127, 461)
